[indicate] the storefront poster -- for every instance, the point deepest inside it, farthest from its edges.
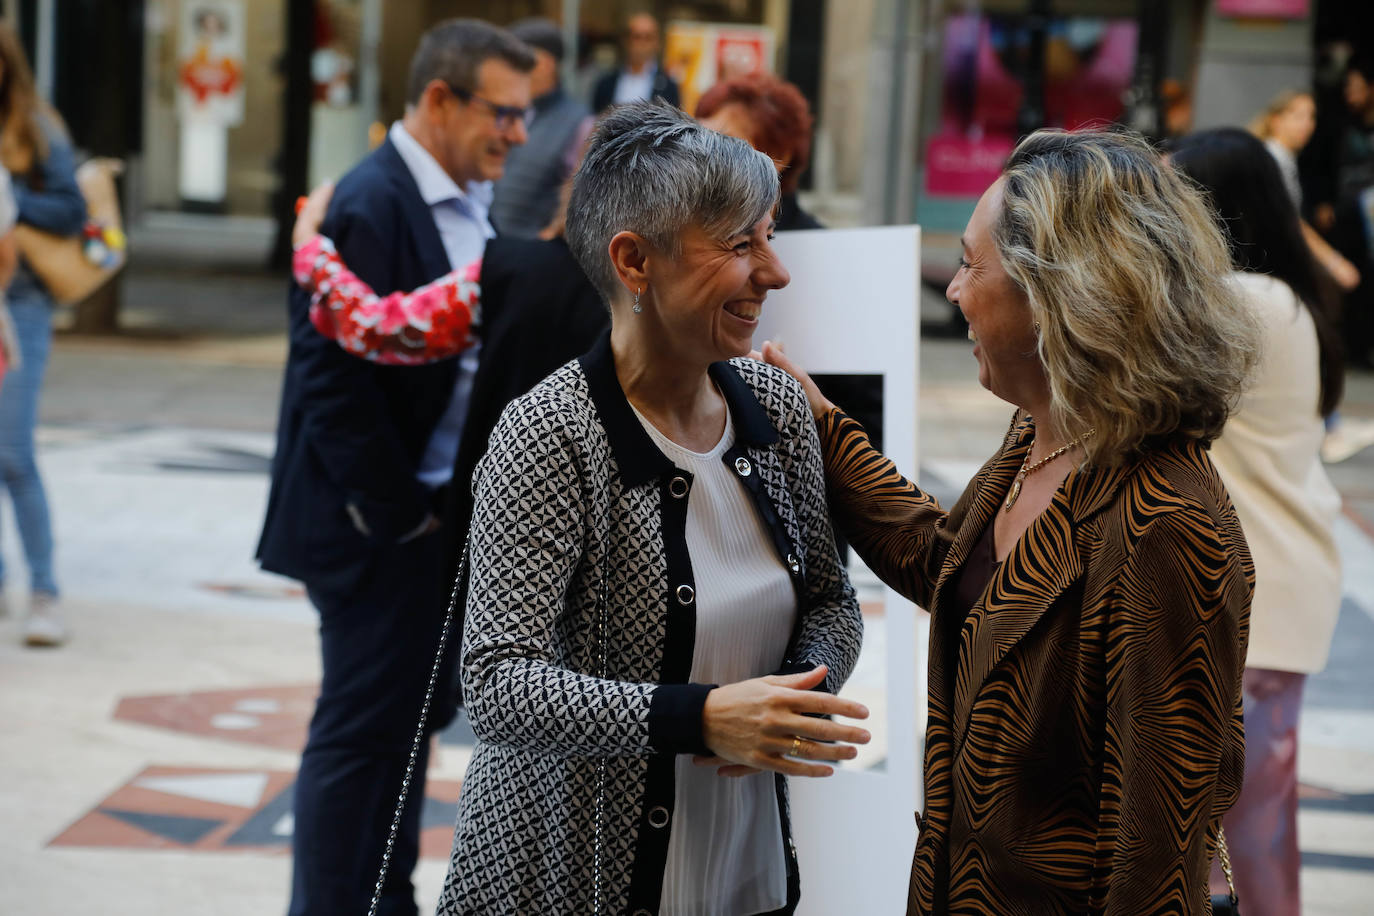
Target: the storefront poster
(1088, 67)
(1264, 9)
(210, 71)
(698, 55)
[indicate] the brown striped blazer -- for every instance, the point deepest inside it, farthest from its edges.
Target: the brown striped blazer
(1080, 756)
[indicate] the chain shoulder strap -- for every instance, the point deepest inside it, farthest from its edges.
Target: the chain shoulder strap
(418, 743)
(1224, 859)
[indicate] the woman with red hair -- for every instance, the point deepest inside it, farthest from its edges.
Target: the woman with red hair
(774, 118)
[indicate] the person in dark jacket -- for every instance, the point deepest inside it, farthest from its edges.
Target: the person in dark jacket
(527, 195)
(639, 78)
(39, 157)
(364, 453)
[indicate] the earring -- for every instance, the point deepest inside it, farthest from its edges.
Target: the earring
(637, 308)
(1037, 329)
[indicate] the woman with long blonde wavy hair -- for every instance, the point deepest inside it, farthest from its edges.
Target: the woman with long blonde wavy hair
(1090, 591)
(35, 149)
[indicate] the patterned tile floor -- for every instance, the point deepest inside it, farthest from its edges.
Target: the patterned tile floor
(213, 810)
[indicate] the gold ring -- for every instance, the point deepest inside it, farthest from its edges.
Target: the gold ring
(796, 746)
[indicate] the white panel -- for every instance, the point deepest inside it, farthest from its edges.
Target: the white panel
(852, 307)
(241, 789)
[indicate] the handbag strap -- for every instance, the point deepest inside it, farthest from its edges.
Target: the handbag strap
(416, 744)
(1223, 859)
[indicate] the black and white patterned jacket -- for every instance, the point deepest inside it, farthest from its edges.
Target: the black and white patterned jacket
(580, 705)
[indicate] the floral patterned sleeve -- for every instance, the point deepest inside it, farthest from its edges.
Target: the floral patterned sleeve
(436, 321)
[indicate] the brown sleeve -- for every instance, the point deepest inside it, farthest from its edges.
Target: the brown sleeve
(891, 523)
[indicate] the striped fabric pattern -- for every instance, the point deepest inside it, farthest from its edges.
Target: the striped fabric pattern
(1080, 756)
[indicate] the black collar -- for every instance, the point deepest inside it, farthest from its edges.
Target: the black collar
(639, 459)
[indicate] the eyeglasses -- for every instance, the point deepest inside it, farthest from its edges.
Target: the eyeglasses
(505, 116)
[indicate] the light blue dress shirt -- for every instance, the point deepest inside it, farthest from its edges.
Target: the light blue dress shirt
(461, 216)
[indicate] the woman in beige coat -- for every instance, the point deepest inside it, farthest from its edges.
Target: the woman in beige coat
(1268, 456)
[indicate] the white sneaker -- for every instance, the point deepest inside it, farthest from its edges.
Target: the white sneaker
(44, 626)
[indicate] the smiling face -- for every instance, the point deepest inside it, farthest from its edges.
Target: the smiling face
(996, 309)
(475, 143)
(708, 300)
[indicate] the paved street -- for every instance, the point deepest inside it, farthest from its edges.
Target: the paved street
(146, 767)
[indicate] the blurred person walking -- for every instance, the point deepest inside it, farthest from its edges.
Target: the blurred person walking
(364, 456)
(1090, 591)
(528, 194)
(36, 151)
(639, 77)
(1268, 457)
(1286, 125)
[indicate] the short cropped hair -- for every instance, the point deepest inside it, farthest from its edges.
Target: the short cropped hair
(652, 170)
(782, 119)
(1143, 337)
(455, 49)
(541, 34)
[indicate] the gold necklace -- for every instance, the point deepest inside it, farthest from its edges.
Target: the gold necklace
(1025, 471)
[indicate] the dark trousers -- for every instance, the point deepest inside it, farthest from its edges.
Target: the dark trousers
(378, 636)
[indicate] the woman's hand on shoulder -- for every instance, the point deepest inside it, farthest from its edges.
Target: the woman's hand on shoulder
(310, 214)
(770, 723)
(772, 354)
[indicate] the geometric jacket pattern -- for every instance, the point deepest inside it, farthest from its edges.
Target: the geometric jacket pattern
(577, 640)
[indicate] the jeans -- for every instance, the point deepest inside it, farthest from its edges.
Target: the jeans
(18, 417)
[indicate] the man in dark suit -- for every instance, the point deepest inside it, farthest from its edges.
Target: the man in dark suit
(539, 311)
(364, 456)
(639, 76)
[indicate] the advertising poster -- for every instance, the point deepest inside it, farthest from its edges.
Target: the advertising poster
(1088, 67)
(1264, 9)
(210, 64)
(698, 55)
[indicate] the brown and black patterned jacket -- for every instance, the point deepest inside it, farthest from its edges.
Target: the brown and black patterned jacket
(1080, 756)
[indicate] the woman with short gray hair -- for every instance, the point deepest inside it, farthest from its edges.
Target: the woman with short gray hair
(656, 604)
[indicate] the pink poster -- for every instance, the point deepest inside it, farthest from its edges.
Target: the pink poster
(1088, 67)
(1264, 9)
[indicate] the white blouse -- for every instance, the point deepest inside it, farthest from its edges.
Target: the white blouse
(725, 854)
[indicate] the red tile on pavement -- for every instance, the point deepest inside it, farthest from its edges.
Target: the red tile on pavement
(224, 810)
(268, 716)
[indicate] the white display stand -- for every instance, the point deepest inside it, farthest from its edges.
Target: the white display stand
(853, 308)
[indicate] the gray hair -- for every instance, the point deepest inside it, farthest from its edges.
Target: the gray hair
(652, 170)
(455, 49)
